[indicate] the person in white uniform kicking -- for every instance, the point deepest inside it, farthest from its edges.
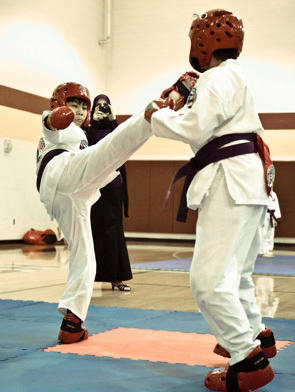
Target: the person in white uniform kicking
(68, 178)
(226, 183)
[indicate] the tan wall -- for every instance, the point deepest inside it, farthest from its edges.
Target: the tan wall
(281, 144)
(149, 49)
(20, 206)
(20, 113)
(20, 125)
(153, 167)
(43, 44)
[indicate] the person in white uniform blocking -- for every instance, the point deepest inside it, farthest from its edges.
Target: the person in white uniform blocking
(271, 221)
(69, 176)
(227, 182)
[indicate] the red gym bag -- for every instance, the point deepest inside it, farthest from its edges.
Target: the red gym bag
(37, 237)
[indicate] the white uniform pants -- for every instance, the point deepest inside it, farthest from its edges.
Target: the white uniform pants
(227, 244)
(76, 191)
(268, 236)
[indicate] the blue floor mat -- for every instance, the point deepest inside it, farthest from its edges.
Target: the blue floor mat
(26, 327)
(278, 265)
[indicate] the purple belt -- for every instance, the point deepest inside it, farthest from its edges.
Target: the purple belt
(210, 153)
(47, 158)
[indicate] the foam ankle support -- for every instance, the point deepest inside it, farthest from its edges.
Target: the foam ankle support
(245, 366)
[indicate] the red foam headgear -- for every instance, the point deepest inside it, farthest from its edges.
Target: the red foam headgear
(71, 90)
(213, 30)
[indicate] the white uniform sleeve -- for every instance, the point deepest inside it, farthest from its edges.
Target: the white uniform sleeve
(196, 125)
(120, 144)
(222, 104)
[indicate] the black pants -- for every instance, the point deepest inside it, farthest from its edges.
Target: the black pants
(112, 260)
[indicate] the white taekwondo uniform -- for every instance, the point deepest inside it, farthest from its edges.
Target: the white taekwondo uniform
(70, 185)
(231, 198)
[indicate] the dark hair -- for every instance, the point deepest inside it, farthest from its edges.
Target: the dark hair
(78, 100)
(224, 54)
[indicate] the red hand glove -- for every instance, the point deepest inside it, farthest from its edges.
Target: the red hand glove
(61, 118)
(182, 87)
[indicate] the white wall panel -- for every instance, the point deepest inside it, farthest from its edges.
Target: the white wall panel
(43, 44)
(20, 207)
